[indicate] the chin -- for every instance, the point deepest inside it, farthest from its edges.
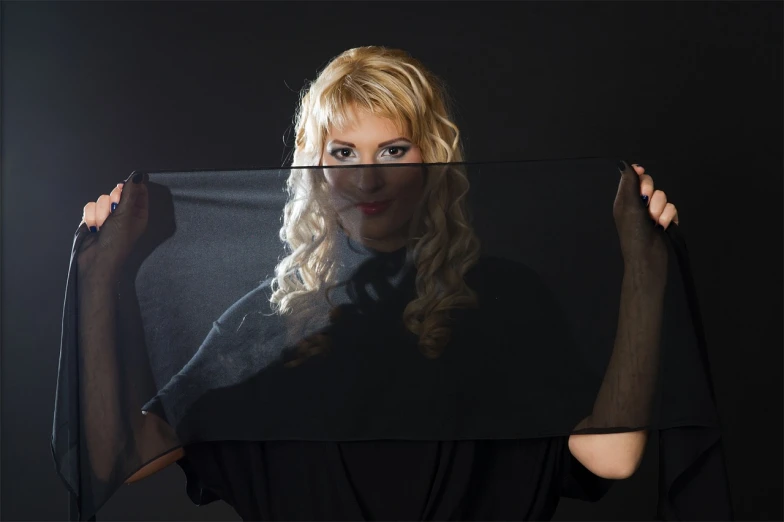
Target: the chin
(375, 233)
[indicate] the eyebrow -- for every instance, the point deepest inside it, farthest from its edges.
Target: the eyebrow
(383, 144)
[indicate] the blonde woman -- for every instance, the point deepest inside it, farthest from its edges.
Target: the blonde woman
(374, 105)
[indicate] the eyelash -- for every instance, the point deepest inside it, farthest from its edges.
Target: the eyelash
(403, 150)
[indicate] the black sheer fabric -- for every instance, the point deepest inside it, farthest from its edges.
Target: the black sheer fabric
(520, 303)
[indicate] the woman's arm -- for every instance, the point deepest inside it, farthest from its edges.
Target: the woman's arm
(111, 427)
(157, 465)
(98, 366)
(610, 455)
(626, 394)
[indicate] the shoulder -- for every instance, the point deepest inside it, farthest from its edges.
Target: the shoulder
(500, 266)
(503, 273)
(256, 301)
(512, 285)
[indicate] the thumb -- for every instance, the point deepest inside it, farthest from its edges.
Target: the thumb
(627, 208)
(127, 223)
(629, 187)
(133, 198)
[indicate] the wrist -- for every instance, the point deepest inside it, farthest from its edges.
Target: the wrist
(98, 273)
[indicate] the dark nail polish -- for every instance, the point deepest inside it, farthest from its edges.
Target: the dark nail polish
(644, 198)
(137, 178)
(622, 165)
(114, 206)
(93, 229)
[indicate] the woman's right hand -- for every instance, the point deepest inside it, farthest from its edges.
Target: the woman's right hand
(113, 233)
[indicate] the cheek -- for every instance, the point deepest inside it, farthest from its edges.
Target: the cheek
(335, 180)
(409, 190)
(337, 188)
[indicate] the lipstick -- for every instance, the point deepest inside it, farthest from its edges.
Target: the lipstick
(374, 207)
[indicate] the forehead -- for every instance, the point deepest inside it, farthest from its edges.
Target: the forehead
(363, 126)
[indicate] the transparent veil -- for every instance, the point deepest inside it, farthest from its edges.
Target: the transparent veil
(574, 316)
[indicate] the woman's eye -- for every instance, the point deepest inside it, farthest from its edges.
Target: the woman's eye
(341, 153)
(397, 151)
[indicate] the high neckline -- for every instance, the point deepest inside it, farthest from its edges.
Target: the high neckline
(393, 263)
(361, 248)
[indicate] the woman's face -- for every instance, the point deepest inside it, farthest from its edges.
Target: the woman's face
(396, 191)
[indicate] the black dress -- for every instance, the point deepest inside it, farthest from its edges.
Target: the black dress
(519, 479)
(389, 480)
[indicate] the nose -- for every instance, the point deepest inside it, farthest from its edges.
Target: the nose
(369, 180)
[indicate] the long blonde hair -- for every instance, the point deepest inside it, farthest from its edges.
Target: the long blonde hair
(391, 84)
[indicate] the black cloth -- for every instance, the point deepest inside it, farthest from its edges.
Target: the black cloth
(580, 318)
(389, 480)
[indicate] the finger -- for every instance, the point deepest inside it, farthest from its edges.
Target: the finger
(88, 215)
(646, 186)
(115, 196)
(658, 202)
(668, 215)
(638, 168)
(102, 209)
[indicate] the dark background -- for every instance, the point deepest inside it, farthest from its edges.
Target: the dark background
(690, 90)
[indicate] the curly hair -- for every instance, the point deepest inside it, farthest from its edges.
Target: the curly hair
(443, 246)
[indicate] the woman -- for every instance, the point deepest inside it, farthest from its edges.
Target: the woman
(373, 105)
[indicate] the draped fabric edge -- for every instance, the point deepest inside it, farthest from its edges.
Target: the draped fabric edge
(68, 332)
(710, 451)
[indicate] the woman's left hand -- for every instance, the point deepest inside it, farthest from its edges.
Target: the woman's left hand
(662, 212)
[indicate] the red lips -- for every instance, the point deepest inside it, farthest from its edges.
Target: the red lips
(374, 207)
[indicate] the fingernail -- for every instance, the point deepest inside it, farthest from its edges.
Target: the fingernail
(622, 165)
(114, 206)
(137, 178)
(93, 229)
(644, 198)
